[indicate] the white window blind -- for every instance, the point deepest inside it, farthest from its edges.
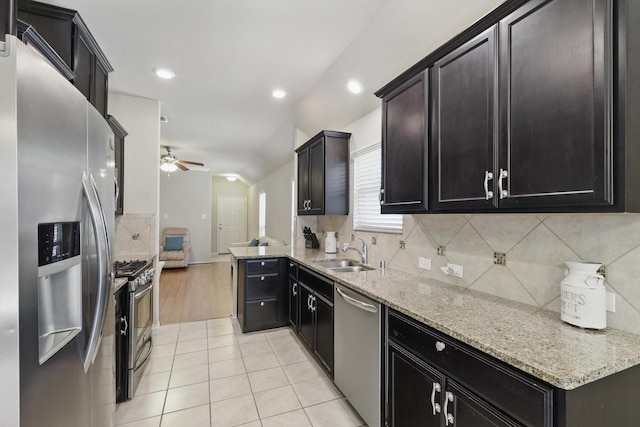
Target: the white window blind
(367, 165)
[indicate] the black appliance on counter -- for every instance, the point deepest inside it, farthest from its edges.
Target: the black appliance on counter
(134, 317)
(311, 241)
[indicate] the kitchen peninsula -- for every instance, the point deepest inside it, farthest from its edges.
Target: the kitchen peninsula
(580, 367)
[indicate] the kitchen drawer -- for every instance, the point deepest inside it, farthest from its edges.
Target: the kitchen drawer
(261, 313)
(526, 399)
(318, 283)
(261, 287)
(262, 266)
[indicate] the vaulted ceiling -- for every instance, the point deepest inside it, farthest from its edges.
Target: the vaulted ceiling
(228, 56)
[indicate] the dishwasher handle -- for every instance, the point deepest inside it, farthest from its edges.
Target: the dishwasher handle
(357, 303)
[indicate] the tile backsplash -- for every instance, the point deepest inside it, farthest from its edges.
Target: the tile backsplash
(135, 237)
(535, 246)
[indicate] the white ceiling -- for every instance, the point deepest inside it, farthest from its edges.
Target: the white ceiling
(228, 55)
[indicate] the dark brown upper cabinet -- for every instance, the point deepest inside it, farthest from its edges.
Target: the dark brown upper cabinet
(64, 39)
(405, 148)
(323, 174)
(534, 109)
(119, 133)
(463, 125)
(555, 105)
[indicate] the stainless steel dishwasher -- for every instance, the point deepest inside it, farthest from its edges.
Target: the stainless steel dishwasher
(357, 352)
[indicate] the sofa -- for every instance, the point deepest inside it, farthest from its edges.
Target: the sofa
(260, 241)
(175, 247)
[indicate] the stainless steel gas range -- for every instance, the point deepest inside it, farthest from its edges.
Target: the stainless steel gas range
(134, 316)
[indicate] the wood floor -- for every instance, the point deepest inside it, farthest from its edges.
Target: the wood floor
(198, 292)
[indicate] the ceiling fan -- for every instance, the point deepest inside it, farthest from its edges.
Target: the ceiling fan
(169, 163)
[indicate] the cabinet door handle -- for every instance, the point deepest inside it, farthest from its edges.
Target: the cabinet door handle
(448, 418)
(488, 176)
(294, 289)
(440, 345)
(314, 304)
(126, 326)
(435, 406)
(381, 197)
(503, 174)
(309, 301)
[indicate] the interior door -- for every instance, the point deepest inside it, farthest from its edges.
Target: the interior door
(232, 221)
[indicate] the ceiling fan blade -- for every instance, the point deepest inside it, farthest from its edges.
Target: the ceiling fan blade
(191, 163)
(181, 166)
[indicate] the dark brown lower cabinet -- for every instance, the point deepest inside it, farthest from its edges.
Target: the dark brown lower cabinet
(435, 380)
(315, 327)
(262, 293)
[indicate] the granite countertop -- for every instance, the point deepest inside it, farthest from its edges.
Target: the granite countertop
(526, 337)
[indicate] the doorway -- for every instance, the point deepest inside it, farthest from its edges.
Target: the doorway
(232, 221)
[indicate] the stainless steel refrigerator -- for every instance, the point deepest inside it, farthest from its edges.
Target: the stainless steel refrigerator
(56, 223)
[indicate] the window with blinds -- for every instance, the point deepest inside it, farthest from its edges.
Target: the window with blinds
(366, 189)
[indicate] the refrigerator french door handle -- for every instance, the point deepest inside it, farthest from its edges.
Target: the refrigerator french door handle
(102, 243)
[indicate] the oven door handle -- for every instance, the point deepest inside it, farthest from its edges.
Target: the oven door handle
(142, 293)
(146, 356)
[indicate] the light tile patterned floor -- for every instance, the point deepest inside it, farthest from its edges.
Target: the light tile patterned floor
(209, 374)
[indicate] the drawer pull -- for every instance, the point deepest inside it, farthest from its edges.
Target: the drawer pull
(261, 277)
(435, 406)
(448, 418)
(440, 345)
(261, 303)
(262, 263)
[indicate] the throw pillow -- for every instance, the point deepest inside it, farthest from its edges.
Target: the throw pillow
(173, 243)
(264, 244)
(254, 242)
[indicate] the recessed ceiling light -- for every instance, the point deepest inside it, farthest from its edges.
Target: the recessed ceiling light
(354, 86)
(279, 93)
(164, 73)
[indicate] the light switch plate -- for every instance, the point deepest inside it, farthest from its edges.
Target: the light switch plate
(424, 263)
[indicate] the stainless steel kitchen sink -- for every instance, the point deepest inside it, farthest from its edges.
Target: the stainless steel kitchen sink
(343, 265)
(336, 263)
(351, 268)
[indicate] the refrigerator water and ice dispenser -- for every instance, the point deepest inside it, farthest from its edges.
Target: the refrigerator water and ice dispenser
(59, 286)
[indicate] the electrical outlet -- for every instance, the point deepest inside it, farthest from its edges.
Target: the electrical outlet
(424, 263)
(401, 244)
(455, 269)
(499, 258)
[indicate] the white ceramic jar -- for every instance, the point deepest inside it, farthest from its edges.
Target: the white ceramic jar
(583, 296)
(330, 243)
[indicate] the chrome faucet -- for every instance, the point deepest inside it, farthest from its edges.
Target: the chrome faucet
(363, 253)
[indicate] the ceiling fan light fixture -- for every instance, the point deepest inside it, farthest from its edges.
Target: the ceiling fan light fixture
(168, 167)
(164, 73)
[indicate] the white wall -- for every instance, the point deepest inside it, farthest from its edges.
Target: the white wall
(141, 118)
(220, 186)
(278, 216)
(185, 201)
(137, 229)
